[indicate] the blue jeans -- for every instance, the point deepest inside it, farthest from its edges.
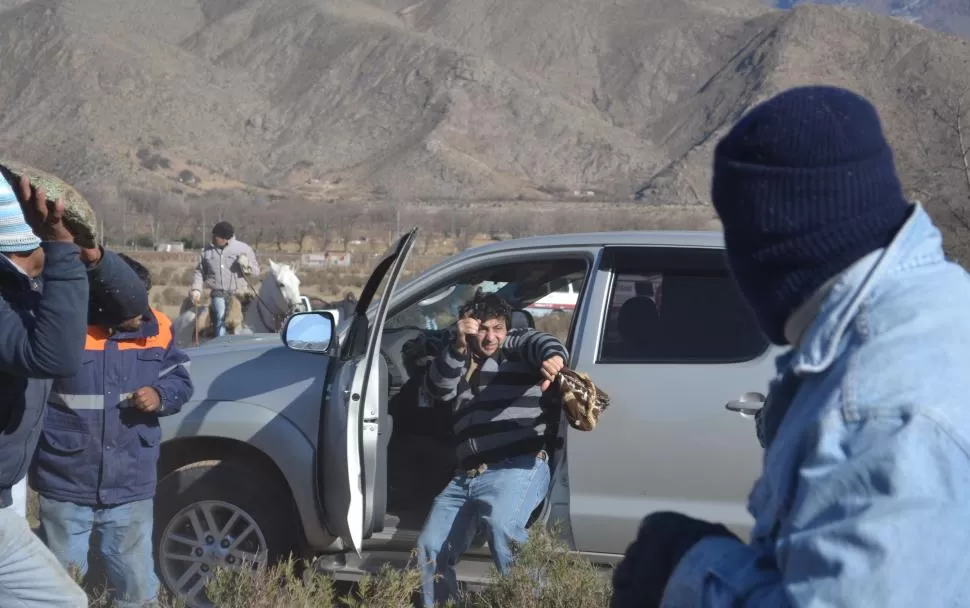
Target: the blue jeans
(217, 308)
(30, 575)
(126, 544)
(502, 498)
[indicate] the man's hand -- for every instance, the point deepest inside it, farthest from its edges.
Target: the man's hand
(549, 370)
(195, 296)
(44, 218)
(467, 327)
(662, 541)
(146, 399)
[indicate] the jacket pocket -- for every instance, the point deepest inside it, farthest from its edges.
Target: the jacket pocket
(66, 442)
(149, 365)
(151, 355)
(150, 436)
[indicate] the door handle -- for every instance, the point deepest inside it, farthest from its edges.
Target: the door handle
(748, 405)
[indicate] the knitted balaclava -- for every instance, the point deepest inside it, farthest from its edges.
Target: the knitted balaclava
(804, 185)
(15, 235)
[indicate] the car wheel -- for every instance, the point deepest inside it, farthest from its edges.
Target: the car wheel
(215, 514)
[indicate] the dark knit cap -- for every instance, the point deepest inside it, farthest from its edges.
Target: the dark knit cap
(223, 230)
(111, 309)
(804, 185)
(143, 273)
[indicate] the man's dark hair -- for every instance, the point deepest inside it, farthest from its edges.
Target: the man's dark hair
(485, 306)
(143, 273)
(223, 230)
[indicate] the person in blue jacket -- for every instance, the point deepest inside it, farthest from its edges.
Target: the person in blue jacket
(865, 485)
(95, 468)
(44, 288)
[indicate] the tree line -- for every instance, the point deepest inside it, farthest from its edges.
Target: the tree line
(143, 217)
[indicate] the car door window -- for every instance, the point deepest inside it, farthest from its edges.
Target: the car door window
(418, 329)
(685, 310)
(543, 292)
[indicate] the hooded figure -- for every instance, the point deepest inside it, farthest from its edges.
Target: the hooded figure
(863, 496)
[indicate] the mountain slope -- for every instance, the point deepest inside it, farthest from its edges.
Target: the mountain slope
(950, 16)
(445, 99)
(915, 77)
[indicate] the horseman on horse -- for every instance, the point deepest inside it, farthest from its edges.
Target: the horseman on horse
(225, 267)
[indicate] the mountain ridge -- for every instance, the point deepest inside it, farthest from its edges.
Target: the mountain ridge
(447, 100)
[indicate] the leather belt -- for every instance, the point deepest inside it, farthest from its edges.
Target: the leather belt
(476, 471)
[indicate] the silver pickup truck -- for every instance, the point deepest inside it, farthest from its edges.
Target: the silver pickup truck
(318, 447)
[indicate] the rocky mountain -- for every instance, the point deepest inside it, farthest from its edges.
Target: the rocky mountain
(449, 99)
(950, 16)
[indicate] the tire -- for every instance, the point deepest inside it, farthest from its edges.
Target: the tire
(263, 528)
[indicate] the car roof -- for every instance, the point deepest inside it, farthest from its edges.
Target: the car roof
(693, 239)
(706, 239)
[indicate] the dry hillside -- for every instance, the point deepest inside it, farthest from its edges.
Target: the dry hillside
(448, 99)
(951, 16)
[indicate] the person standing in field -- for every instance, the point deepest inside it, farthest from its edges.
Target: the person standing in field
(96, 468)
(44, 289)
(226, 267)
(864, 492)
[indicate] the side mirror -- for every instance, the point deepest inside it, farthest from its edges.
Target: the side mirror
(309, 331)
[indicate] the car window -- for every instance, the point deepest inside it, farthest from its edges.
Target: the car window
(547, 291)
(676, 313)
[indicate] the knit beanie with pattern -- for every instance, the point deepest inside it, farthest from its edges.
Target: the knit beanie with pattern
(15, 235)
(804, 185)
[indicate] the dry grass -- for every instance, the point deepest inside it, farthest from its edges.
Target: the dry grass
(546, 575)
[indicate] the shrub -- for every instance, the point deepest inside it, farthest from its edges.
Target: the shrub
(546, 574)
(279, 586)
(566, 580)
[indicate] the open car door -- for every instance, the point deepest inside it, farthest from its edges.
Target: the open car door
(352, 451)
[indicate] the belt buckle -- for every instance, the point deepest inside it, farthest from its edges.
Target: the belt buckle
(477, 470)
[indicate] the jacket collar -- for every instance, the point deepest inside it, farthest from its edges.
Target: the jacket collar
(11, 274)
(918, 242)
(148, 329)
(229, 243)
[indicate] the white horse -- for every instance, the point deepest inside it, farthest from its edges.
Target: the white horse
(278, 296)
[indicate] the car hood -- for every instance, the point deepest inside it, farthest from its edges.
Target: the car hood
(231, 343)
(256, 369)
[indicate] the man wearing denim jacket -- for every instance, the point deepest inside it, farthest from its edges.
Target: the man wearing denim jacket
(864, 498)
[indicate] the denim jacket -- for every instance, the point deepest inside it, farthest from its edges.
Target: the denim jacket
(864, 499)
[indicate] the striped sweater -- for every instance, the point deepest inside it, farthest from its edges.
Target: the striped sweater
(499, 411)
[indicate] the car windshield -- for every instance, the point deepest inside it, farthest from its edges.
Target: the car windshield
(520, 284)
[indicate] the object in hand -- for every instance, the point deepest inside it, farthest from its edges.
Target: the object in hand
(583, 401)
(79, 218)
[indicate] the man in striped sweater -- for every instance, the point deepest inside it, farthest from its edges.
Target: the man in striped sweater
(493, 379)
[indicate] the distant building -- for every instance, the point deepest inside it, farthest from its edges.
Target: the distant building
(176, 247)
(328, 258)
